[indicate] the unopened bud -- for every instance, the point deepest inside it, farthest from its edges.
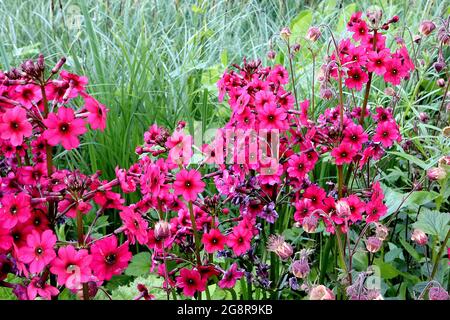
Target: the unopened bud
(424, 117)
(321, 292)
(310, 223)
(440, 82)
(313, 34)
(300, 268)
(419, 237)
(373, 244)
(343, 209)
(436, 173)
(271, 55)
(280, 247)
(426, 27)
(438, 293)
(285, 33)
(162, 230)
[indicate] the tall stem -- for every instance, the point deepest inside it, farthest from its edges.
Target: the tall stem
(196, 239)
(439, 255)
(80, 234)
(196, 235)
(368, 85)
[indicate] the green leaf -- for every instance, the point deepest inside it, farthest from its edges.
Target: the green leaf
(421, 198)
(300, 25)
(433, 223)
(140, 264)
(388, 271)
(412, 159)
(151, 281)
(412, 252)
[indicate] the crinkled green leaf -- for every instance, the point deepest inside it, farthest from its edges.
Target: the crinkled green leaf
(140, 265)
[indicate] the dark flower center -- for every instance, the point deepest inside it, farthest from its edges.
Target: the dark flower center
(110, 258)
(14, 125)
(64, 127)
(13, 209)
(39, 251)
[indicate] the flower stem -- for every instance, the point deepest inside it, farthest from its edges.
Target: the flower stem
(80, 244)
(196, 235)
(439, 255)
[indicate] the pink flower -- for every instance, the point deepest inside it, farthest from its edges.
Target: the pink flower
(188, 184)
(77, 82)
(360, 30)
(15, 209)
(27, 95)
(394, 72)
(355, 136)
(37, 287)
(344, 153)
(134, 225)
(96, 113)
(72, 267)
(38, 251)
(230, 277)
(14, 126)
(356, 78)
(214, 240)
(386, 133)
(64, 127)
(239, 240)
(299, 166)
(191, 282)
(6, 239)
(263, 98)
(108, 259)
(375, 209)
(377, 62)
(271, 117)
(321, 292)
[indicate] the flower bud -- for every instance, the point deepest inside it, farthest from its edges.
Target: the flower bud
(313, 34)
(444, 161)
(321, 292)
(326, 93)
(280, 247)
(389, 91)
(446, 132)
(300, 268)
(373, 244)
(271, 55)
(426, 27)
(343, 209)
(309, 223)
(394, 19)
(424, 117)
(436, 173)
(419, 237)
(440, 82)
(162, 230)
(296, 48)
(439, 66)
(285, 33)
(381, 231)
(374, 15)
(438, 293)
